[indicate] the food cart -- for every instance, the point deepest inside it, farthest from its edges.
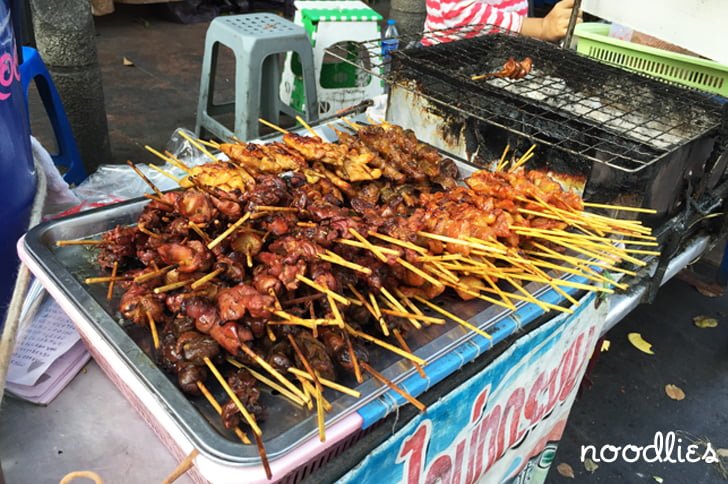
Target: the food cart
(496, 407)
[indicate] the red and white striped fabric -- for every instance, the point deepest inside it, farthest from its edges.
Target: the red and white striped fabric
(445, 14)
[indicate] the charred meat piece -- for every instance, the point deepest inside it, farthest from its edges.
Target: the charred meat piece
(244, 386)
(234, 302)
(192, 256)
(137, 301)
(315, 353)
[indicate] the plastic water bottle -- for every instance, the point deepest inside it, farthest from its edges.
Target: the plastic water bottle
(390, 42)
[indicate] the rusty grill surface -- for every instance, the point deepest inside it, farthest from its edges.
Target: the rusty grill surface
(575, 104)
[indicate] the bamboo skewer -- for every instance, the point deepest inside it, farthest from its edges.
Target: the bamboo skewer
(308, 127)
(405, 346)
(397, 306)
(327, 383)
(206, 278)
(334, 258)
(402, 243)
(184, 466)
(399, 314)
(197, 145)
(64, 243)
(385, 345)
(620, 207)
(110, 290)
(455, 318)
(263, 455)
(359, 245)
(502, 163)
(351, 124)
(272, 126)
(153, 328)
(196, 228)
(144, 178)
(368, 245)
(244, 412)
(353, 358)
(322, 289)
(335, 310)
(175, 179)
(378, 376)
(169, 159)
(172, 286)
(523, 159)
(214, 403)
(267, 381)
(273, 372)
(416, 270)
(229, 231)
(317, 387)
(104, 279)
(151, 275)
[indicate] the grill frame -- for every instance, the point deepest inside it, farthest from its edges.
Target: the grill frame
(425, 72)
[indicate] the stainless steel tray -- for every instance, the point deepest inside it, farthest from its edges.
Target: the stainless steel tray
(287, 425)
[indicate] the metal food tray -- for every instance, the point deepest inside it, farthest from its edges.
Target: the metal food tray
(287, 426)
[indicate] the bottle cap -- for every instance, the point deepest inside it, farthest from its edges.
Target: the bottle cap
(391, 21)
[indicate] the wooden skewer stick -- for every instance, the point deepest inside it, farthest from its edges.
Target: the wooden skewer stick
(351, 124)
(169, 159)
(141, 228)
(368, 245)
(312, 391)
(272, 126)
(416, 270)
(334, 258)
(153, 328)
(151, 275)
(64, 243)
(405, 346)
(210, 143)
(308, 127)
(327, 383)
(396, 305)
(110, 290)
(214, 403)
(274, 208)
(353, 358)
(620, 207)
(444, 238)
(402, 243)
(196, 228)
(144, 177)
(273, 372)
(450, 315)
(502, 163)
(206, 278)
(399, 314)
(420, 406)
(175, 179)
(182, 468)
(172, 286)
(335, 310)
(267, 381)
(197, 145)
(325, 290)
(385, 345)
(243, 411)
(359, 245)
(104, 279)
(229, 231)
(318, 393)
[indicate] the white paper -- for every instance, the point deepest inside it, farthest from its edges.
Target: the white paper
(55, 379)
(50, 335)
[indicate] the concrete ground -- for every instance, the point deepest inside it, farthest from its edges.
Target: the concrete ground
(626, 403)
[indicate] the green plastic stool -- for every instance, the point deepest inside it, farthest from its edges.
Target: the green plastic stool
(256, 40)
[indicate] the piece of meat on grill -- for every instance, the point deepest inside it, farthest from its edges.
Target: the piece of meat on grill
(315, 352)
(139, 301)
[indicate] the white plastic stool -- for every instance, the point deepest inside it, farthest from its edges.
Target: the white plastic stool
(328, 23)
(256, 40)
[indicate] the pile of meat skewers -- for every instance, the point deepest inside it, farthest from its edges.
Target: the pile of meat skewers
(291, 258)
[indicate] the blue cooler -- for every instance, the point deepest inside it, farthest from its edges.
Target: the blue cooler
(17, 174)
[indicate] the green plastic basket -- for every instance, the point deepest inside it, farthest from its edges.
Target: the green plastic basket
(594, 41)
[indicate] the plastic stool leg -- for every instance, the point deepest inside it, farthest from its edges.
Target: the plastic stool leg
(309, 82)
(247, 91)
(269, 98)
(33, 69)
(209, 62)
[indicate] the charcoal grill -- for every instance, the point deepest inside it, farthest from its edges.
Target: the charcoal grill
(630, 139)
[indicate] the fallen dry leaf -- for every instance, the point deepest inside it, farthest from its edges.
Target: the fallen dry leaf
(605, 345)
(127, 62)
(722, 452)
(590, 465)
(565, 470)
(710, 290)
(705, 322)
(674, 392)
(639, 343)
(658, 479)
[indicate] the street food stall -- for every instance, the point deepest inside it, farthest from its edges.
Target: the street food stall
(409, 300)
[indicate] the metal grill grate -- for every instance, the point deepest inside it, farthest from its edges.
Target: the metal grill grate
(568, 101)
